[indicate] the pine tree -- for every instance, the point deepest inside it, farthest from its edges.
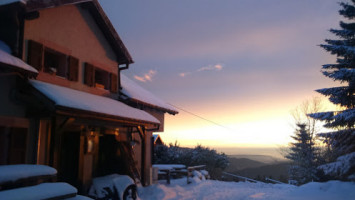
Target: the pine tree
(303, 156)
(341, 141)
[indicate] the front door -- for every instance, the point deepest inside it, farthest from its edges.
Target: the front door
(69, 161)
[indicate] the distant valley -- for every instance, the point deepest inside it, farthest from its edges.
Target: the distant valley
(258, 167)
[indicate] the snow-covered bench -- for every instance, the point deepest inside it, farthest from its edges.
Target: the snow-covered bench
(12, 176)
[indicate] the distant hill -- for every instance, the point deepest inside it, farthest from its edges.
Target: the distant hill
(258, 167)
(259, 158)
(276, 171)
(236, 164)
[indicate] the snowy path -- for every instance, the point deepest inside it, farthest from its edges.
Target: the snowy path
(230, 190)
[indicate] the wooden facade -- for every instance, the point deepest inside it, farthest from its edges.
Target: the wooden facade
(72, 45)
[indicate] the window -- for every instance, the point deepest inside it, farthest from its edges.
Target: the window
(53, 62)
(99, 78)
(102, 79)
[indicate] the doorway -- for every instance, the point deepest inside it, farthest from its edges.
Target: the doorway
(69, 161)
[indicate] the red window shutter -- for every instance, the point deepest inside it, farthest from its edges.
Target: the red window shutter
(89, 75)
(35, 54)
(114, 83)
(73, 68)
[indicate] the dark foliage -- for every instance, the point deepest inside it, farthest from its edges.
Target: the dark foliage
(173, 154)
(341, 141)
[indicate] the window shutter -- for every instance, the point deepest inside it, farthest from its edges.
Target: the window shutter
(89, 75)
(73, 68)
(114, 83)
(35, 54)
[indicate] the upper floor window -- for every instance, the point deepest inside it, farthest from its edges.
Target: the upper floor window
(99, 78)
(102, 79)
(55, 63)
(48, 60)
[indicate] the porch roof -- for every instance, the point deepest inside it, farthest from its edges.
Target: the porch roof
(76, 102)
(11, 62)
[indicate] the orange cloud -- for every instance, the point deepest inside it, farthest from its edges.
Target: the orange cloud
(146, 77)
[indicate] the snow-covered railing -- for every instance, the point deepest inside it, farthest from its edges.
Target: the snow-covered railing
(275, 181)
(169, 166)
(242, 177)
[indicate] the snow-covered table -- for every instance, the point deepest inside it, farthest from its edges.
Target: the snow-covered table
(169, 169)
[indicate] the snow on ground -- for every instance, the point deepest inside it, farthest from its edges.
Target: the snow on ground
(213, 190)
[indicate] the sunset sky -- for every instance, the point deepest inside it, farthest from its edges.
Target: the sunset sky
(244, 64)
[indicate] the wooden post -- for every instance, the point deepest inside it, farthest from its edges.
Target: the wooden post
(168, 176)
(141, 131)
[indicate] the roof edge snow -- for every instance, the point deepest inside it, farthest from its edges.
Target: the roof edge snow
(12, 62)
(140, 95)
(66, 100)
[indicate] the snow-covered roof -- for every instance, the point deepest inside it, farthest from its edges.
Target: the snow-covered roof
(139, 94)
(79, 100)
(155, 136)
(10, 60)
(5, 2)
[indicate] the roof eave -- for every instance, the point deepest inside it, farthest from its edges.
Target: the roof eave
(62, 110)
(172, 112)
(123, 55)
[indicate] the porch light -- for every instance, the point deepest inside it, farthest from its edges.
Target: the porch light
(117, 131)
(90, 145)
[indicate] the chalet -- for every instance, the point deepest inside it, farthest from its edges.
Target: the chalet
(157, 140)
(64, 100)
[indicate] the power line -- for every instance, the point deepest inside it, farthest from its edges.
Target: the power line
(205, 119)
